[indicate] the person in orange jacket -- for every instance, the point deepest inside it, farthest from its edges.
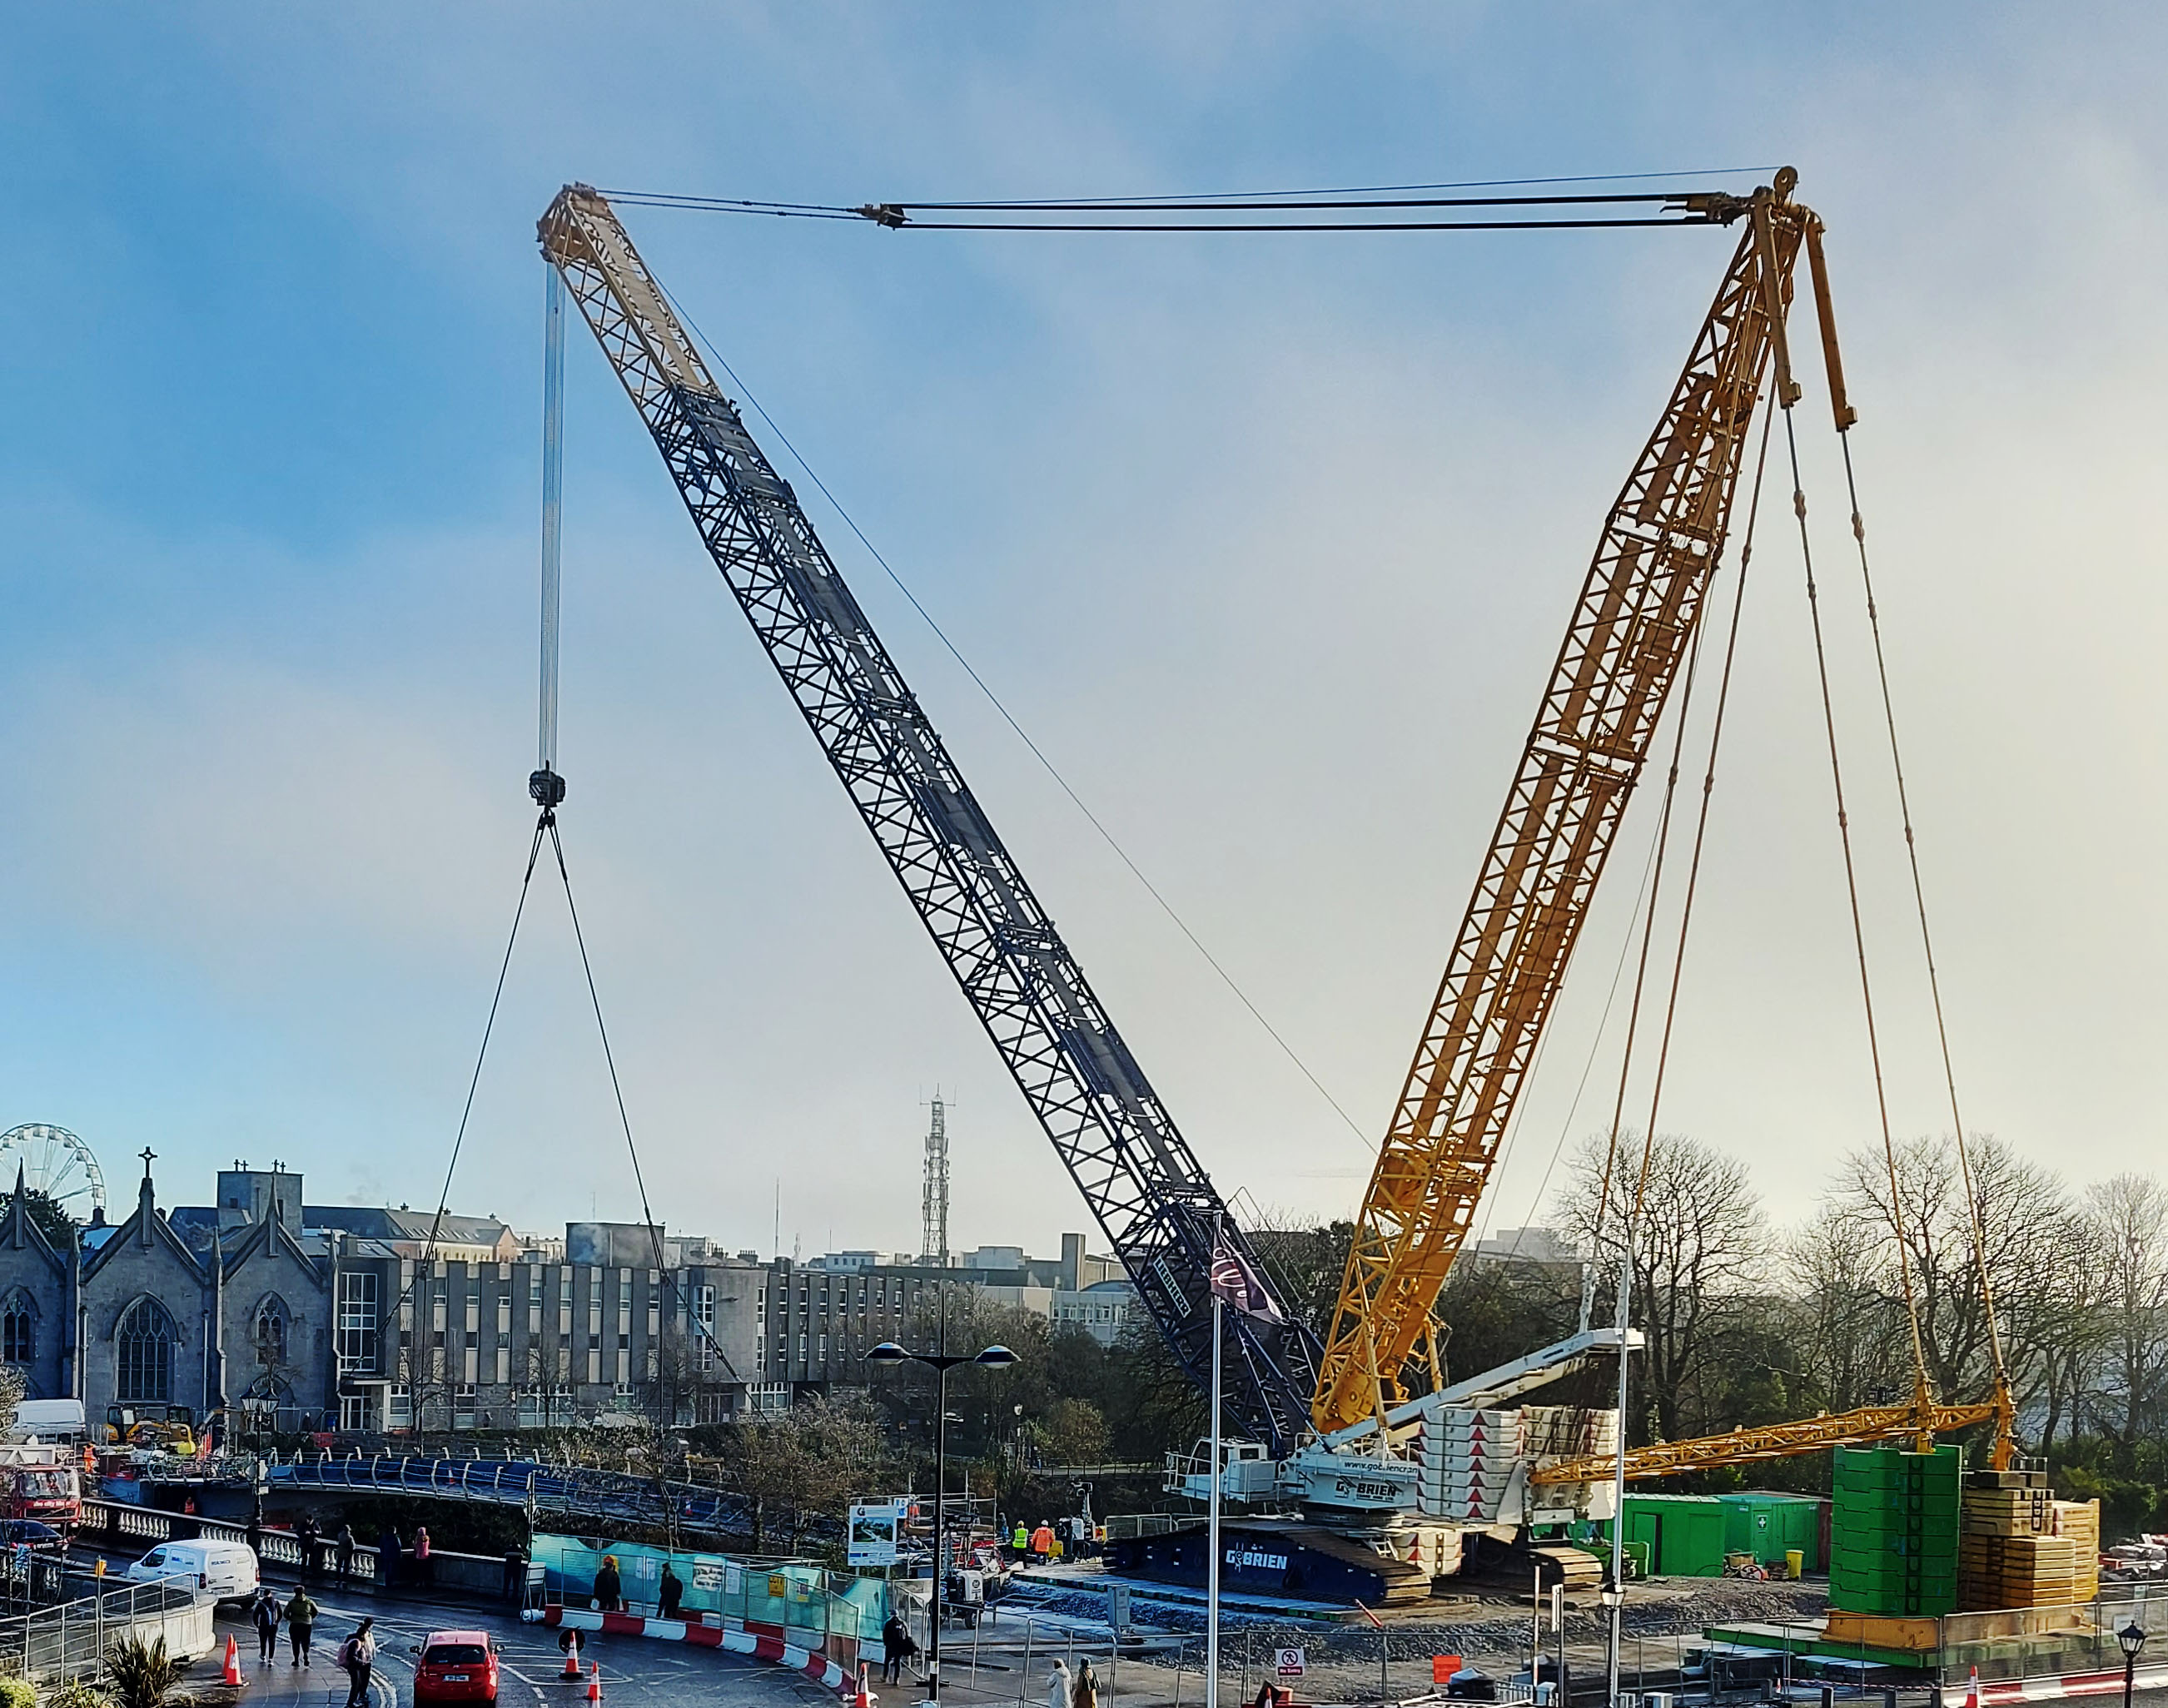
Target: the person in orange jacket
(1042, 1541)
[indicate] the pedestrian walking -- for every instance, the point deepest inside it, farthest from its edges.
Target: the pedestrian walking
(300, 1625)
(305, 1534)
(895, 1649)
(387, 1558)
(425, 1568)
(1059, 1684)
(515, 1574)
(263, 1614)
(343, 1556)
(609, 1586)
(357, 1655)
(254, 1535)
(1086, 1692)
(671, 1592)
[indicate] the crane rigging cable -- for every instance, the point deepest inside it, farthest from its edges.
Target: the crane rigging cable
(1694, 874)
(1920, 1393)
(546, 785)
(1022, 734)
(727, 204)
(1845, 416)
(1181, 213)
(1701, 824)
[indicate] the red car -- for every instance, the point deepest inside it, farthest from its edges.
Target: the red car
(456, 1666)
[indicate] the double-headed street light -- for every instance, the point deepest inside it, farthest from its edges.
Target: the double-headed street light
(888, 1354)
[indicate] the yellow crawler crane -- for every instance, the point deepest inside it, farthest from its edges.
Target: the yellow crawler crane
(1629, 633)
(1623, 648)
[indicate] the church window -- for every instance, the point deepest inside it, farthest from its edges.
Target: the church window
(18, 1332)
(143, 1353)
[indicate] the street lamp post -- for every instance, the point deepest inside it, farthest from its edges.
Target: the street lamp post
(2132, 1638)
(888, 1353)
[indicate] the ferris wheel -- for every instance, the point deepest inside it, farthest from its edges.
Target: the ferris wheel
(57, 1162)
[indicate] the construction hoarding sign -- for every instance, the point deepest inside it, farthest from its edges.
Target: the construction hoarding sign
(873, 1527)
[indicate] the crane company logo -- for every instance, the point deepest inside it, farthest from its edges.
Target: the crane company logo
(1243, 1559)
(1358, 1488)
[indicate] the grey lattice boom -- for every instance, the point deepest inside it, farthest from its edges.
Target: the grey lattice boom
(1134, 1167)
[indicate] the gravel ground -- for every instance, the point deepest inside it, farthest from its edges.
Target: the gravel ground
(1664, 1608)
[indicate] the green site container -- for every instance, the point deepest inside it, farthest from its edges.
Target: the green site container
(1684, 1534)
(1769, 1526)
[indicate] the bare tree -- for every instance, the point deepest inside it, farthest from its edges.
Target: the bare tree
(2126, 1217)
(1699, 1249)
(2024, 1216)
(1854, 1343)
(809, 1459)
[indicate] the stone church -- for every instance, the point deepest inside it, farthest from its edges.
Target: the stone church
(201, 1309)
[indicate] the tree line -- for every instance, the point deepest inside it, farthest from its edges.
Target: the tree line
(1745, 1323)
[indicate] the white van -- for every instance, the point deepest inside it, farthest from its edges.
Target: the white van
(222, 1571)
(48, 1420)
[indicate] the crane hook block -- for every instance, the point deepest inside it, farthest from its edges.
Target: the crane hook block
(547, 787)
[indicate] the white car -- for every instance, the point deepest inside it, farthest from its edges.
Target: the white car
(222, 1570)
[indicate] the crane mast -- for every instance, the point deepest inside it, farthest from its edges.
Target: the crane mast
(1590, 738)
(1151, 1199)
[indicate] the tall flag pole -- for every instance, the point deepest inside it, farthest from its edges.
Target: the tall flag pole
(1212, 1567)
(1233, 1283)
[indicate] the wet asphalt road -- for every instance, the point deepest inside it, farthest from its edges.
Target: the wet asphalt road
(636, 1672)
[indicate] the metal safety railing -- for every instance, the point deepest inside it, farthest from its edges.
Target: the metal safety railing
(114, 1525)
(574, 1491)
(1011, 1656)
(2042, 1643)
(72, 1639)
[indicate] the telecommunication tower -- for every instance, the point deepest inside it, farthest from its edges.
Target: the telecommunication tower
(933, 1219)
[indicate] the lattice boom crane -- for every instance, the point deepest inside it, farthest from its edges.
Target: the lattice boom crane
(1137, 1173)
(1628, 633)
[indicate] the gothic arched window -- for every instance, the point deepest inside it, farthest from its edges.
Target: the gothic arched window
(18, 1331)
(269, 1331)
(143, 1353)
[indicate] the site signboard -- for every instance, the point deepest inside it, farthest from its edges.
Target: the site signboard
(873, 1533)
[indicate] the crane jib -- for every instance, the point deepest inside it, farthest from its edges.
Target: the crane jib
(1144, 1187)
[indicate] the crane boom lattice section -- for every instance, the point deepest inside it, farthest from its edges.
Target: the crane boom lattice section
(1150, 1198)
(1590, 738)
(1744, 1446)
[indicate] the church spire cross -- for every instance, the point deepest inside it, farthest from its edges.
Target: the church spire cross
(149, 1157)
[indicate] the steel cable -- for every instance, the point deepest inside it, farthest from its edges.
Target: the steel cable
(1927, 939)
(1701, 824)
(1009, 717)
(1858, 930)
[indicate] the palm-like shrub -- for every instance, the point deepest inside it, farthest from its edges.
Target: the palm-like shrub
(141, 1675)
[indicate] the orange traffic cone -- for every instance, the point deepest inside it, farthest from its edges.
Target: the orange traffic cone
(572, 1656)
(232, 1663)
(864, 1698)
(1972, 1690)
(595, 1684)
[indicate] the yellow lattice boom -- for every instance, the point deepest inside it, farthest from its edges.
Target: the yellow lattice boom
(1628, 633)
(1741, 1446)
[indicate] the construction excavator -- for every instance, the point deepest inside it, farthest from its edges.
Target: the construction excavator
(1326, 1422)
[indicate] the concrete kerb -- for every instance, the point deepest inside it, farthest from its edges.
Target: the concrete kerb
(732, 1639)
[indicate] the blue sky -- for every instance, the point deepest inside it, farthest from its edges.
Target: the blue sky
(1266, 541)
